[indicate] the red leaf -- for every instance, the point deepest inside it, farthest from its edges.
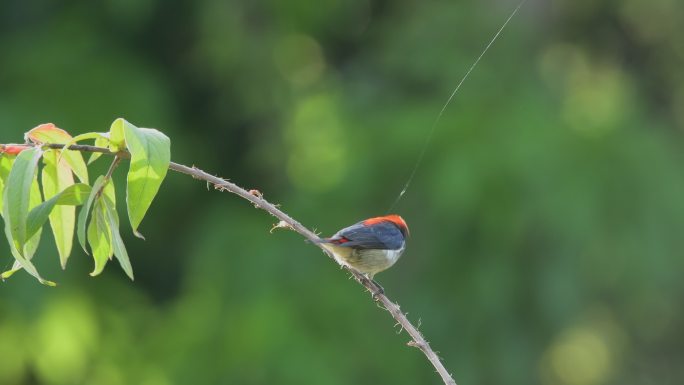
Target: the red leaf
(13, 149)
(47, 133)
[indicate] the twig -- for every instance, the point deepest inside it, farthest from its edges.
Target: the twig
(112, 167)
(417, 339)
(108, 176)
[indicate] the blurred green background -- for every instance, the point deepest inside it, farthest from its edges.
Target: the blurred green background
(546, 217)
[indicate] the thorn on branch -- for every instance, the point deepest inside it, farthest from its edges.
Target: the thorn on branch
(256, 193)
(414, 344)
(401, 327)
(195, 176)
(281, 225)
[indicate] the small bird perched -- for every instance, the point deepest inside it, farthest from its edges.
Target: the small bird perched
(370, 246)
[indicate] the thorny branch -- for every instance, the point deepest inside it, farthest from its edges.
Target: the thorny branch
(256, 198)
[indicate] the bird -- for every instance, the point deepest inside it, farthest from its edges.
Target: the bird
(369, 246)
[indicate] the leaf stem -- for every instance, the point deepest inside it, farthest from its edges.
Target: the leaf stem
(108, 176)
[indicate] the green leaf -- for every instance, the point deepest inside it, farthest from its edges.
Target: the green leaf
(117, 243)
(73, 195)
(21, 193)
(75, 160)
(17, 256)
(102, 141)
(6, 162)
(100, 237)
(16, 266)
(83, 215)
(34, 237)
(56, 177)
(17, 194)
(109, 192)
(150, 157)
(117, 140)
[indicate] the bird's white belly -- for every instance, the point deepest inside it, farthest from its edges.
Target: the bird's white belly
(367, 261)
(393, 255)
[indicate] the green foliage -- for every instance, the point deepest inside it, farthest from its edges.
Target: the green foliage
(17, 202)
(56, 177)
(99, 238)
(100, 141)
(150, 157)
(25, 212)
(17, 195)
(5, 166)
(73, 195)
(85, 211)
(112, 221)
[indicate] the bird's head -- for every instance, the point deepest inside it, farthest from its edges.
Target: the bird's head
(393, 218)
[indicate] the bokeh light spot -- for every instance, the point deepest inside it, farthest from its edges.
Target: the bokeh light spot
(299, 59)
(12, 353)
(580, 356)
(65, 336)
(318, 147)
(595, 95)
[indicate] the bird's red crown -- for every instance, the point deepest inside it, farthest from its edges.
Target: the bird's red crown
(396, 219)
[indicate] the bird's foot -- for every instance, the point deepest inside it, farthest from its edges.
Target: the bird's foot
(379, 290)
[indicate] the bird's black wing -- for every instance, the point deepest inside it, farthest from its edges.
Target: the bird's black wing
(383, 235)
